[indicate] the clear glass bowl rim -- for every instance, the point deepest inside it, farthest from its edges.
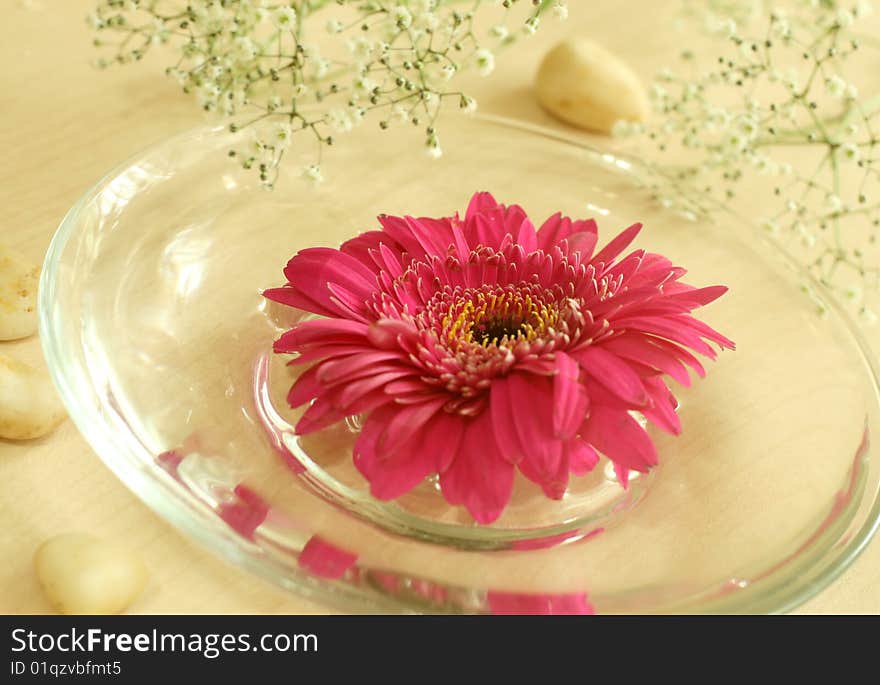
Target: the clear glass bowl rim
(164, 499)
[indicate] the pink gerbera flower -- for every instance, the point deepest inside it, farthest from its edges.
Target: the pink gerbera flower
(479, 346)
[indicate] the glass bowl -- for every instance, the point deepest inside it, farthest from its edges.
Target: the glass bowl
(159, 341)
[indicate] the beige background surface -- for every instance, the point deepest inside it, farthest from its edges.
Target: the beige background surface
(63, 125)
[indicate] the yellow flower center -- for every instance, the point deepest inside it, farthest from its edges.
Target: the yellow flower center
(498, 318)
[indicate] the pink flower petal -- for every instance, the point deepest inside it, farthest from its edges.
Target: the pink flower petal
(480, 203)
(363, 246)
(525, 234)
(531, 401)
(613, 373)
(697, 297)
(354, 366)
(388, 260)
(582, 243)
(662, 410)
(668, 328)
(479, 478)
(399, 232)
(443, 438)
(387, 333)
(434, 236)
(551, 474)
(316, 266)
(641, 349)
(321, 332)
(347, 302)
(504, 419)
(620, 438)
(679, 353)
(488, 229)
(408, 420)
(579, 234)
(570, 401)
(305, 388)
(396, 468)
(617, 245)
(354, 390)
(582, 458)
(294, 297)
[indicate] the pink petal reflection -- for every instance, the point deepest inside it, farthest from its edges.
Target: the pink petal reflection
(246, 512)
(324, 559)
(170, 460)
(518, 603)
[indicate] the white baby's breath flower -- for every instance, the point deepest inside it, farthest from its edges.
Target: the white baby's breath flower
(863, 9)
(95, 20)
(361, 47)
(485, 61)
(427, 21)
(835, 86)
(560, 10)
(747, 126)
(423, 6)
(447, 71)
(431, 99)
(723, 26)
(281, 135)
(467, 104)
(791, 79)
(850, 152)
(771, 226)
(364, 84)
(766, 166)
(852, 292)
(245, 48)
(339, 120)
(781, 85)
(782, 29)
(867, 316)
(236, 55)
(284, 18)
(312, 173)
(807, 239)
(208, 95)
(321, 67)
(433, 147)
(399, 114)
(356, 115)
(402, 17)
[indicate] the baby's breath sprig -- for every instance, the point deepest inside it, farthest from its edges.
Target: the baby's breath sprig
(257, 61)
(777, 112)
